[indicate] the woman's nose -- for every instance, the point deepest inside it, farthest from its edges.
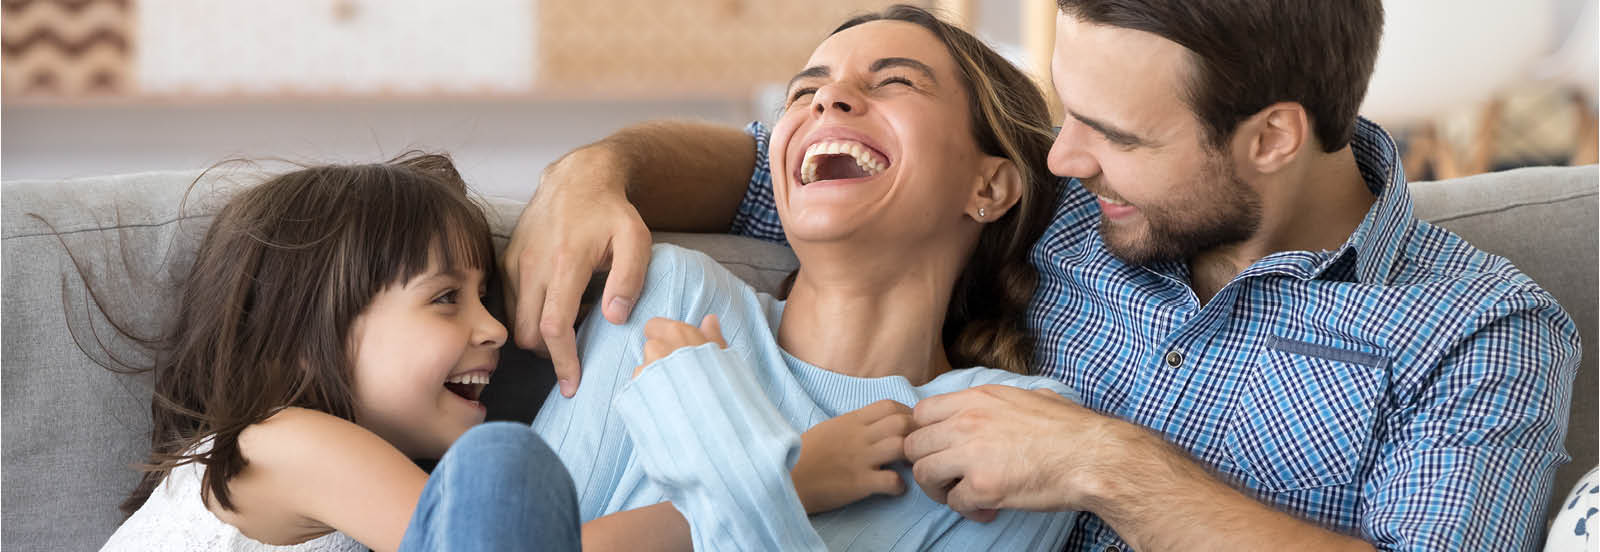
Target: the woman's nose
(835, 97)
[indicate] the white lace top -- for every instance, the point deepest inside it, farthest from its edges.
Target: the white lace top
(175, 519)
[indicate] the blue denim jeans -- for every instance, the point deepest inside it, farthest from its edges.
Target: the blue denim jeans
(499, 487)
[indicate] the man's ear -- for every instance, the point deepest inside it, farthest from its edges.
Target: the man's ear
(998, 188)
(1274, 136)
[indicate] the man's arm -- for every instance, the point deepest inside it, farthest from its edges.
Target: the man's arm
(1467, 464)
(679, 176)
(994, 447)
(1471, 457)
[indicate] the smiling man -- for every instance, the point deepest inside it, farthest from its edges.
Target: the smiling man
(1273, 352)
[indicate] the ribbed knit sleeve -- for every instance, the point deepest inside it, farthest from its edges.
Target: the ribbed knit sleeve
(706, 433)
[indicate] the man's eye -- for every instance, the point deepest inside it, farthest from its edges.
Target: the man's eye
(803, 92)
(894, 80)
(446, 298)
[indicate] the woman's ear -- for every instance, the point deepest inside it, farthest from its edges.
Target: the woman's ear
(998, 188)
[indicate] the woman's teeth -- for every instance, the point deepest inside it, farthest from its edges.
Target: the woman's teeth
(866, 159)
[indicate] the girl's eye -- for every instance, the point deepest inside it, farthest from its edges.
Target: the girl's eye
(446, 298)
(801, 93)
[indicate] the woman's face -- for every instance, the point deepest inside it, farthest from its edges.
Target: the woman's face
(876, 141)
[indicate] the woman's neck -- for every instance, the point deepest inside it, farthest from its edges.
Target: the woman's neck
(869, 315)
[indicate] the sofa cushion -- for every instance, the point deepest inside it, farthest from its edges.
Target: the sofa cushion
(72, 428)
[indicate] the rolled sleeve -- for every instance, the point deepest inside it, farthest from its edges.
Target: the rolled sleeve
(1470, 460)
(758, 211)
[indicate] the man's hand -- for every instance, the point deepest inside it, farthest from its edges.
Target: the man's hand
(842, 459)
(578, 223)
(993, 447)
(997, 446)
(665, 335)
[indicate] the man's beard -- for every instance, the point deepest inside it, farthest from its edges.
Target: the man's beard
(1217, 210)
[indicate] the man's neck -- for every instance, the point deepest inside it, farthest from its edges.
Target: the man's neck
(870, 318)
(1312, 206)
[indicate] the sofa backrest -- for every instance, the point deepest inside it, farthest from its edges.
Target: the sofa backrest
(72, 428)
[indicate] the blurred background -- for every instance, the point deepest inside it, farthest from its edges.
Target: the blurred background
(94, 87)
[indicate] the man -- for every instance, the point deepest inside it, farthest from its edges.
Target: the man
(1274, 354)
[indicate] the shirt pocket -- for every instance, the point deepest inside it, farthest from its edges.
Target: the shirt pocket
(1306, 416)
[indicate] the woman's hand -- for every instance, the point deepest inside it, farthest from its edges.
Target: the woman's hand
(842, 459)
(665, 335)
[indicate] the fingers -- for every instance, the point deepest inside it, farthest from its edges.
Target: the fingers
(981, 515)
(965, 499)
(879, 410)
(630, 255)
(884, 482)
(529, 302)
(559, 313)
(937, 474)
(894, 425)
(711, 328)
(886, 451)
(929, 440)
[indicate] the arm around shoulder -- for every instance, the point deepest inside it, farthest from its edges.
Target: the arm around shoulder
(334, 473)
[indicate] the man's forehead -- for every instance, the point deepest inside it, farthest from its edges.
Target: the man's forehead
(1117, 73)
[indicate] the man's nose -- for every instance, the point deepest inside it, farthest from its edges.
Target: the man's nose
(1068, 158)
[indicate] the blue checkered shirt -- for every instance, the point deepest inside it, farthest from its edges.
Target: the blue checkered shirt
(1405, 388)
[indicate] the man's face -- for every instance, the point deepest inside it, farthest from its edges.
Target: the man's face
(1132, 140)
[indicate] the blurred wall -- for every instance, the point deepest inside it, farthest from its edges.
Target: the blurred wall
(500, 146)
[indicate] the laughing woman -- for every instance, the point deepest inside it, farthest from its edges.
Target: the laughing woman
(910, 183)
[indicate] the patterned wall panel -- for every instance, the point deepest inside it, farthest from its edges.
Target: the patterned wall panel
(629, 46)
(56, 48)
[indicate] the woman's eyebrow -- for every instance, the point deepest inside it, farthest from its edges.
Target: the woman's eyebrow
(817, 71)
(888, 62)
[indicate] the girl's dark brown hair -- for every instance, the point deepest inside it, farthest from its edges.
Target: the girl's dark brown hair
(986, 323)
(283, 271)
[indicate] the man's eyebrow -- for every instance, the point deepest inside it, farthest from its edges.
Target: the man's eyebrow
(1114, 134)
(814, 71)
(888, 62)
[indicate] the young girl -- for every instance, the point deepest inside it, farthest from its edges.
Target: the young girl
(331, 330)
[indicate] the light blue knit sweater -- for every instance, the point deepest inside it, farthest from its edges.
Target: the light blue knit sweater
(715, 431)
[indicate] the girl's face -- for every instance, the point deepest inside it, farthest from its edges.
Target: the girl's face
(876, 140)
(424, 349)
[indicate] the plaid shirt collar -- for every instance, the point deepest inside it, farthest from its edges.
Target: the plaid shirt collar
(1368, 256)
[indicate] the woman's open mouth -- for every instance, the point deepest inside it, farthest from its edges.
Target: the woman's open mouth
(840, 159)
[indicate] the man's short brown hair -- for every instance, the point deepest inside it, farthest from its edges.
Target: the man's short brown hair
(1249, 54)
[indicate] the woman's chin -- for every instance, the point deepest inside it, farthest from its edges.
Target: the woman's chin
(821, 229)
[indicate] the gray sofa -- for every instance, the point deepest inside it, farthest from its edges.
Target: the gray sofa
(71, 428)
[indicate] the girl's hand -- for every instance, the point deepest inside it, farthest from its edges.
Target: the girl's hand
(842, 459)
(665, 335)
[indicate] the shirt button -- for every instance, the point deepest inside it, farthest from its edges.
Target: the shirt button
(1113, 548)
(1174, 359)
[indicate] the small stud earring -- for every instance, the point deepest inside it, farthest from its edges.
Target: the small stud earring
(980, 213)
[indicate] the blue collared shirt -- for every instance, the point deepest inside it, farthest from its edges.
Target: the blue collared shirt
(1405, 388)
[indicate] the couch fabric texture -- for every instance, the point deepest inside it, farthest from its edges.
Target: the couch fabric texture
(73, 426)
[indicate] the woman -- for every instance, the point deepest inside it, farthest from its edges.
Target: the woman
(910, 182)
